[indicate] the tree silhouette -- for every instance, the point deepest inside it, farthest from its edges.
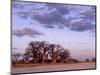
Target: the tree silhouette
(16, 56)
(87, 60)
(42, 52)
(64, 55)
(94, 60)
(53, 53)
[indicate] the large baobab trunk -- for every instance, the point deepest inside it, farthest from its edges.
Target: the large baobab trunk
(35, 55)
(62, 60)
(44, 55)
(39, 56)
(53, 54)
(53, 59)
(62, 57)
(16, 60)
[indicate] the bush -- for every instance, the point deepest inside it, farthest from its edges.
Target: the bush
(72, 61)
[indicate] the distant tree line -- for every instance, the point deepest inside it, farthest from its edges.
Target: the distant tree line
(93, 60)
(44, 52)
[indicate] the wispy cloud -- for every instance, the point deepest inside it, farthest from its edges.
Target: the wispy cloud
(26, 31)
(17, 5)
(81, 26)
(52, 18)
(61, 9)
(88, 15)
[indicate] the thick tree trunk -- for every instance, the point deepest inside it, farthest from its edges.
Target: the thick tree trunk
(35, 56)
(53, 60)
(62, 60)
(44, 55)
(16, 60)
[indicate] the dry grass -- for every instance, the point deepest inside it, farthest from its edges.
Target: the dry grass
(45, 64)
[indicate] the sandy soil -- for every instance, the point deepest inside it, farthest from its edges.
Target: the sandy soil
(59, 67)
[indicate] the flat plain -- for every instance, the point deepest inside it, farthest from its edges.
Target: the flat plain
(53, 67)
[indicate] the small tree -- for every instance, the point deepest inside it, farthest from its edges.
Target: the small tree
(64, 55)
(16, 56)
(94, 60)
(87, 60)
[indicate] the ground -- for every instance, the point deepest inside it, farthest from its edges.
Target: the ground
(54, 67)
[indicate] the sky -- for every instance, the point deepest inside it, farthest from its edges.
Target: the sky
(71, 26)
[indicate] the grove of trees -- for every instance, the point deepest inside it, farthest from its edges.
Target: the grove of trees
(44, 52)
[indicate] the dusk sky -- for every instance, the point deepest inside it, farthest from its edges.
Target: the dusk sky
(72, 26)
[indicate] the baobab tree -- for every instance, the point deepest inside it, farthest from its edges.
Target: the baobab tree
(26, 56)
(44, 45)
(34, 49)
(64, 55)
(41, 52)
